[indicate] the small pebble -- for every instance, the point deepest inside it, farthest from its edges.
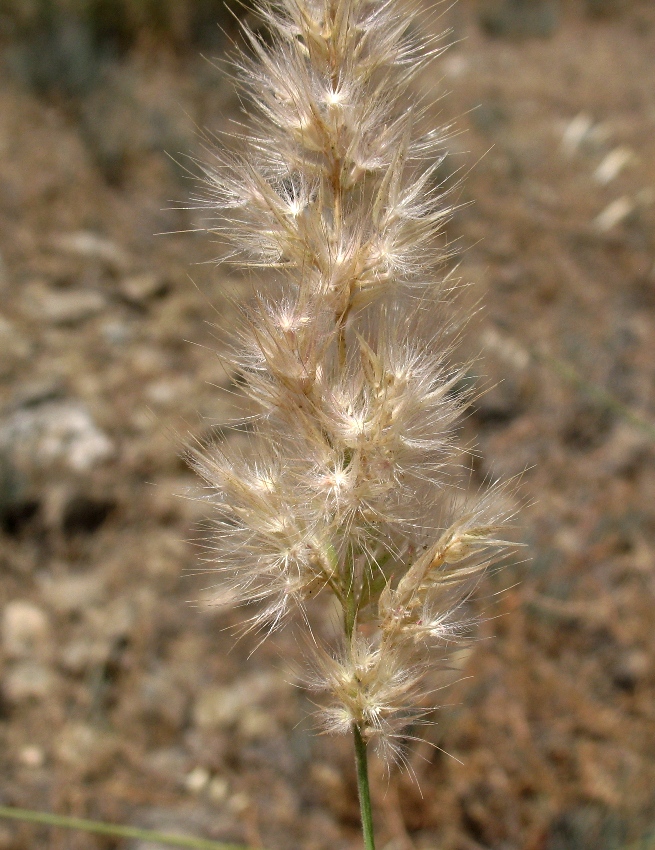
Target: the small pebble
(139, 288)
(613, 164)
(197, 780)
(576, 132)
(614, 213)
(256, 724)
(630, 669)
(61, 307)
(239, 803)
(25, 629)
(89, 245)
(31, 756)
(54, 432)
(218, 789)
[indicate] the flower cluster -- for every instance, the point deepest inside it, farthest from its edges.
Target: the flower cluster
(349, 485)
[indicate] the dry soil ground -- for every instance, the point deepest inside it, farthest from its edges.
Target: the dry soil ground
(124, 701)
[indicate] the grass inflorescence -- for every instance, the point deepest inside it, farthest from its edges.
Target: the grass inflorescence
(352, 483)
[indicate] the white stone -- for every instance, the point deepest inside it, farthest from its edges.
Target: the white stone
(255, 724)
(61, 307)
(55, 432)
(614, 213)
(239, 803)
(25, 629)
(218, 789)
(613, 164)
(576, 132)
(141, 287)
(31, 756)
(197, 780)
(89, 245)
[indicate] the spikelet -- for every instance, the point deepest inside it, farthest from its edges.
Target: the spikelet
(350, 486)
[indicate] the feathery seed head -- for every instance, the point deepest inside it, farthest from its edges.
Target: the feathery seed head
(351, 485)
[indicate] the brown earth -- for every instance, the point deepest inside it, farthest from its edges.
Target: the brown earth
(122, 700)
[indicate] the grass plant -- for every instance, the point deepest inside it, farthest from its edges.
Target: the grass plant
(113, 830)
(351, 484)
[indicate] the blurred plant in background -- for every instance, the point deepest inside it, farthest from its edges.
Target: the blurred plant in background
(83, 53)
(64, 44)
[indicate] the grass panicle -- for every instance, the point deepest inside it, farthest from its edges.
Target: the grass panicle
(328, 192)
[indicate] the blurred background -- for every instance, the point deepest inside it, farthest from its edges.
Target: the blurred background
(123, 700)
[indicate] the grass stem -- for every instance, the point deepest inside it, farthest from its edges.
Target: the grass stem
(364, 789)
(115, 830)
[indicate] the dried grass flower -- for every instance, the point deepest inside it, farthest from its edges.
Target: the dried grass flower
(352, 484)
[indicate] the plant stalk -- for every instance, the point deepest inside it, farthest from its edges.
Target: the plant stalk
(364, 789)
(114, 830)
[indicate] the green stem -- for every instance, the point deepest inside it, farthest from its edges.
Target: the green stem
(364, 789)
(100, 828)
(350, 602)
